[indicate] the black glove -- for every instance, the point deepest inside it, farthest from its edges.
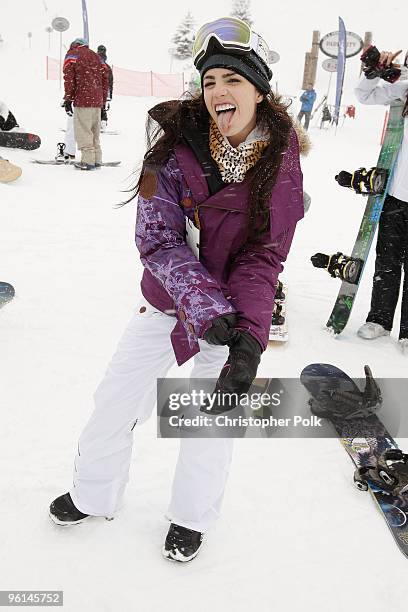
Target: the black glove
(68, 107)
(238, 373)
(373, 69)
(222, 330)
(104, 114)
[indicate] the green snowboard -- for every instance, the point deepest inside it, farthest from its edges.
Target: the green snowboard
(388, 155)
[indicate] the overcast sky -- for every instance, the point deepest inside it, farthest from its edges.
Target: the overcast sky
(139, 38)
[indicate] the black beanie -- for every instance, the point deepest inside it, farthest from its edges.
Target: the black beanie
(249, 66)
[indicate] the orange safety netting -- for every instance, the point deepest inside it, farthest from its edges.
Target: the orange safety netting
(133, 82)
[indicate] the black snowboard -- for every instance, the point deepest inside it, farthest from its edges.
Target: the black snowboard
(20, 140)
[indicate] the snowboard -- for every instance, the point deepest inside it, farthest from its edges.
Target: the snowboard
(279, 332)
(19, 140)
(6, 293)
(364, 439)
(388, 155)
(109, 132)
(69, 162)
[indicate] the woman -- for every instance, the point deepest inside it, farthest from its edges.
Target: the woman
(392, 241)
(228, 162)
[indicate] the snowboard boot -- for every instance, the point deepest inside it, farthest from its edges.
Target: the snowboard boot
(8, 172)
(182, 544)
(370, 331)
(64, 512)
(84, 166)
(403, 344)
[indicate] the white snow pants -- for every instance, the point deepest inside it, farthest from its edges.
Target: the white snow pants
(70, 144)
(126, 396)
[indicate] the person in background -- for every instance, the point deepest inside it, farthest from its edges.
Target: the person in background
(351, 111)
(307, 99)
(67, 149)
(86, 90)
(101, 50)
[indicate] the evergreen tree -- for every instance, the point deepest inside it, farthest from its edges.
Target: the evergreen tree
(241, 9)
(184, 38)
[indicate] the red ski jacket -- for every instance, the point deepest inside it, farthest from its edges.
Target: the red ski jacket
(85, 78)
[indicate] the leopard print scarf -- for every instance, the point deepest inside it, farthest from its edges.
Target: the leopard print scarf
(232, 162)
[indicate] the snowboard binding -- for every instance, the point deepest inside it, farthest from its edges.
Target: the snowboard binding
(390, 474)
(335, 403)
(363, 181)
(277, 317)
(340, 266)
(61, 152)
(373, 69)
(280, 294)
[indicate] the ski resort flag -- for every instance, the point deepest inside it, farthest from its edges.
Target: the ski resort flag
(85, 21)
(341, 67)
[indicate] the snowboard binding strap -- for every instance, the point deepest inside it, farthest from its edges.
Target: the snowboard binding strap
(336, 404)
(277, 317)
(340, 266)
(363, 181)
(390, 474)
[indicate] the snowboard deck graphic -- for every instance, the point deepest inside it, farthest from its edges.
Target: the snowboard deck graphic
(280, 333)
(20, 140)
(69, 162)
(345, 300)
(364, 440)
(6, 293)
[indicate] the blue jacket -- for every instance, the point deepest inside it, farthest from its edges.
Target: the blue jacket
(307, 99)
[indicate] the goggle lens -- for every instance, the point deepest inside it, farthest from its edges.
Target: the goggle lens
(231, 33)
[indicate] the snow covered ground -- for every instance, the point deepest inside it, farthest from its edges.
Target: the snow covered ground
(295, 534)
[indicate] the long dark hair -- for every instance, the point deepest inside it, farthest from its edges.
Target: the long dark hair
(164, 130)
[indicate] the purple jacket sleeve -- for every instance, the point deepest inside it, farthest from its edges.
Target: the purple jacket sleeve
(160, 238)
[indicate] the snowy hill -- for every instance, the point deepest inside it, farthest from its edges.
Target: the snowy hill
(295, 534)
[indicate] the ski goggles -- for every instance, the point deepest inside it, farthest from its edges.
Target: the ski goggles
(231, 34)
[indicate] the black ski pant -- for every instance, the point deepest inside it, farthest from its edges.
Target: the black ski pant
(306, 115)
(392, 257)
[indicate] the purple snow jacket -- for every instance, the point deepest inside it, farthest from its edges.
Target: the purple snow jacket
(232, 276)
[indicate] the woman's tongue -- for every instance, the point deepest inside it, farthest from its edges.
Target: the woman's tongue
(224, 120)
